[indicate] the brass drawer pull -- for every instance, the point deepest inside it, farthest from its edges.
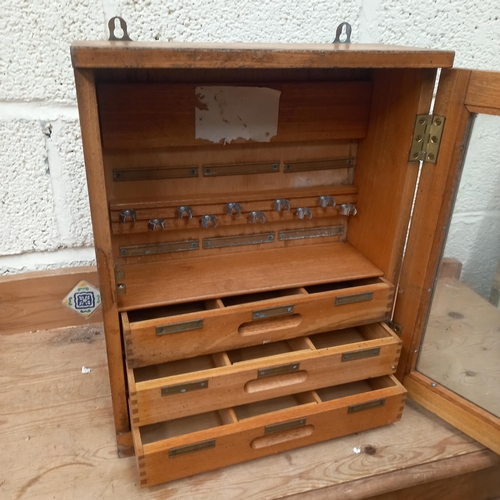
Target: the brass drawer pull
(190, 448)
(184, 326)
(278, 370)
(284, 426)
(366, 406)
(351, 299)
(182, 388)
(272, 312)
(365, 353)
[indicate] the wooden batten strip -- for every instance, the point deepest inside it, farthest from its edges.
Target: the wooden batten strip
(33, 301)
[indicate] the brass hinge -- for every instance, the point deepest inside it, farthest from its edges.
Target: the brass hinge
(426, 138)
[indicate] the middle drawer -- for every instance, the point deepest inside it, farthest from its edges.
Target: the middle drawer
(210, 382)
(181, 331)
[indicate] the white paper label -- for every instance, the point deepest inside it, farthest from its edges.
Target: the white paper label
(226, 114)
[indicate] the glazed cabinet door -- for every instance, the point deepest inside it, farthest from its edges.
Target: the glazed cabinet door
(448, 308)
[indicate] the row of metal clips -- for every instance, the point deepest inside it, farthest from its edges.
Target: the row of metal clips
(234, 209)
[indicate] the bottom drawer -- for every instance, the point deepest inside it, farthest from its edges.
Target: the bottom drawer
(191, 445)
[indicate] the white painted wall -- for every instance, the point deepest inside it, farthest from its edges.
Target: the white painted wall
(43, 199)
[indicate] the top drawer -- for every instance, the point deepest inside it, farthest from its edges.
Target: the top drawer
(180, 331)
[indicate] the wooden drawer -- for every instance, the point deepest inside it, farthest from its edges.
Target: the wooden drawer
(211, 382)
(198, 443)
(158, 335)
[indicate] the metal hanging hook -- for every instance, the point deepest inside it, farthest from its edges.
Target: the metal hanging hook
(112, 27)
(338, 34)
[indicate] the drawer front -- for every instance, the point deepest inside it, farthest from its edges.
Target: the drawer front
(342, 356)
(182, 336)
(249, 438)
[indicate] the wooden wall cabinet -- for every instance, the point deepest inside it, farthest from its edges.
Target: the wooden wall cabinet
(237, 331)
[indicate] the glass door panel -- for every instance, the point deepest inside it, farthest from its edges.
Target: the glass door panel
(461, 346)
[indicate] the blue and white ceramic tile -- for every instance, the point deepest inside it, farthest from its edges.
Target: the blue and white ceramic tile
(84, 299)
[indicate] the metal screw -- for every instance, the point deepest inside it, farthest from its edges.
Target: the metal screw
(294, 367)
(418, 138)
(194, 245)
(123, 251)
(194, 171)
(416, 155)
(289, 309)
(270, 237)
(437, 121)
(207, 171)
(416, 350)
(207, 243)
(287, 167)
(429, 289)
(434, 384)
(421, 121)
(282, 235)
(434, 138)
(121, 286)
(393, 367)
(275, 166)
(431, 156)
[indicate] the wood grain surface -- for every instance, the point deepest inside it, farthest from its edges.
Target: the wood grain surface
(156, 115)
(58, 440)
(253, 55)
(249, 272)
(33, 301)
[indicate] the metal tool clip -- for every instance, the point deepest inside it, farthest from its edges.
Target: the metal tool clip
(281, 204)
(232, 207)
(185, 209)
(326, 200)
(253, 217)
(124, 214)
(155, 223)
(207, 219)
(303, 212)
(348, 209)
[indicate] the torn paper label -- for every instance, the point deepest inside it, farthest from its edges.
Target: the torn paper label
(225, 114)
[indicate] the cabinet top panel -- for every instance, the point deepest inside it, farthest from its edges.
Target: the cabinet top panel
(253, 55)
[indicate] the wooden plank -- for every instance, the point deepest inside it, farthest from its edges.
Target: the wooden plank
(379, 229)
(461, 347)
(92, 151)
(245, 55)
(243, 273)
(155, 115)
(466, 416)
(58, 440)
(443, 480)
(484, 91)
(33, 301)
(432, 212)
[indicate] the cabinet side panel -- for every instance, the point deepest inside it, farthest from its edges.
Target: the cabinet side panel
(385, 179)
(89, 122)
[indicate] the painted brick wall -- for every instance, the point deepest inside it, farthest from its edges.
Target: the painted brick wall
(45, 214)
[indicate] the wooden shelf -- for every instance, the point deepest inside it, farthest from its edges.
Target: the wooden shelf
(176, 281)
